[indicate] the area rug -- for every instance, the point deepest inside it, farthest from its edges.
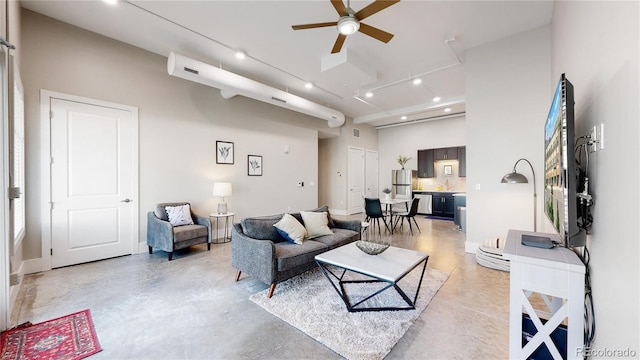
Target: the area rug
(68, 337)
(310, 303)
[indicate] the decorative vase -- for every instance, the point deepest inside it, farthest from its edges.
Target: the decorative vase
(387, 196)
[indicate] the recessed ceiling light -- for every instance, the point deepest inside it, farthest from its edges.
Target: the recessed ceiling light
(368, 94)
(404, 117)
(417, 81)
(308, 85)
(436, 99)
(240, 55)
(112, 2)
(447, 109)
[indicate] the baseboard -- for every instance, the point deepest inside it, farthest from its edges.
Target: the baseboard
(471, 247)
(142, 247)
(15, 278)
(32, 266)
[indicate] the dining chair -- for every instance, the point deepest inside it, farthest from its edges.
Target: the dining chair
(373, 209)
(408, 215)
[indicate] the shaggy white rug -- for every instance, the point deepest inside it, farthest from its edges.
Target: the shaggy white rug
(311, 304)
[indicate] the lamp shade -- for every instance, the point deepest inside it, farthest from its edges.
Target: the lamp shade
(222, 189)
(514, 178)
(348, 25)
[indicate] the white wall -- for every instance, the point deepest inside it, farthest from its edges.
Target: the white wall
(179, 122)
(333, 163)
(509, 92)
(597, 44)
(407, 140)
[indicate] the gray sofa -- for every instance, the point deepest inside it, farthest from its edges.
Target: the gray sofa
(260, 251)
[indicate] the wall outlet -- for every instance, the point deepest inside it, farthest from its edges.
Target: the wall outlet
(300, 183)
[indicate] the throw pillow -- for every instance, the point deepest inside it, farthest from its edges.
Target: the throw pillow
(179, 215)
(291, 229)
(316, 223)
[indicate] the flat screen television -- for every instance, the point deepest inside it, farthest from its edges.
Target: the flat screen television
(560, 169)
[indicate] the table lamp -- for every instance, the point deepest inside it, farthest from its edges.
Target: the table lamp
(221, 190)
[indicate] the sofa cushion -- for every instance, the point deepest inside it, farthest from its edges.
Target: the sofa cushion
(261, 228)
(179, 215)
(290, 256)
(160, 211)
(315, 223)
(324, 209)
(340, 237)
(291, 229)
(188, 232)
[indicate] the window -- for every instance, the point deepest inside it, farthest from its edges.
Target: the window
(16, 143)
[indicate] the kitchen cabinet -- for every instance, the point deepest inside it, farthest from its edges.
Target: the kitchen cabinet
(462, 161)
(443, 204)
(450, 153)
(426, 163)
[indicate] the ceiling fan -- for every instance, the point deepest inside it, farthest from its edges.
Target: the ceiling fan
(350, 22)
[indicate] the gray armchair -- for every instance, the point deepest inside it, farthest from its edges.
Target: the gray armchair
(161, 235)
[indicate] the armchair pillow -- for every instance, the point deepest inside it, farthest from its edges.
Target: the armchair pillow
(316, 223)
(291, 229)
(179, 215)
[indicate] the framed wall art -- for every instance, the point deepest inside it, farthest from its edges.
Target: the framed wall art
(224, 152)
(254, 165)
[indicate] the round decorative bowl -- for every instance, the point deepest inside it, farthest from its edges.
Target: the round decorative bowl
(371, 248)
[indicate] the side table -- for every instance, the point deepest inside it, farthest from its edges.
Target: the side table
(227, 217)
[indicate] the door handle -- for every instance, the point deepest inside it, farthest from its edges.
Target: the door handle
(126, 200)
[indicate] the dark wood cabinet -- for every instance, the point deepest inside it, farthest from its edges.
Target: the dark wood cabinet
(462, 161)
(443, 205)
(428, 157)
(426, 163)
(450, 153)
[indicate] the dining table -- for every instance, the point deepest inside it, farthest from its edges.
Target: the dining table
(389, 202)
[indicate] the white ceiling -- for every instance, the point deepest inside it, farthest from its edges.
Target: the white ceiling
(211, 31)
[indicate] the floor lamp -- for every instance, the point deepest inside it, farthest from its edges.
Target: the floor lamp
(517, 178)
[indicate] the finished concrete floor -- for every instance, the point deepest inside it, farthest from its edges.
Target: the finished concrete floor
(145, 307)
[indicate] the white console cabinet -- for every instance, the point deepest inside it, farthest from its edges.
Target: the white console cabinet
(558, 276)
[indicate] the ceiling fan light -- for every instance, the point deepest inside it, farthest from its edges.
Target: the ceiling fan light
(348, 25)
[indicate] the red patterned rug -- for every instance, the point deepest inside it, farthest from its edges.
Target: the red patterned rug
(70, 337)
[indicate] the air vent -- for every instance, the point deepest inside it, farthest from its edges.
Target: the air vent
(191, 70)
(356, 133)
(276, 99)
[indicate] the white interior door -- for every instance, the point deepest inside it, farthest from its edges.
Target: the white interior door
(93, 182)
(356, 180)
(371, 169)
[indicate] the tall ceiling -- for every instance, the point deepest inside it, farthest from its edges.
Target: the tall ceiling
(430, 39)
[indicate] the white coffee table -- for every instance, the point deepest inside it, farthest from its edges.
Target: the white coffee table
(388, 267)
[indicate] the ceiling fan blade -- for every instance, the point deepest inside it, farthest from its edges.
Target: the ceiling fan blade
(340, 8)
(374, 7)
(375, 33)
(313, 26)
(338, 45)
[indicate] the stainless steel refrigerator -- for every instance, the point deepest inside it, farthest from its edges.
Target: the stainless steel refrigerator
(403, 182)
